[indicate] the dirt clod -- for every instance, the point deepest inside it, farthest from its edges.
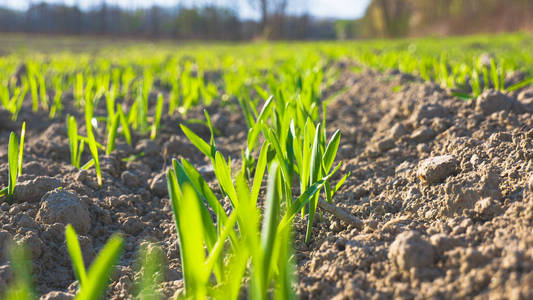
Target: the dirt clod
(491, 101)
(435, 169)
(148, 147)
(34, 243)
(410, 250)
(423, 134)
(487, 208)
(133, 225)
(131, 179)
(57, 295)
(159, 185)
(61, 206)
(443, 242)
(33, 190)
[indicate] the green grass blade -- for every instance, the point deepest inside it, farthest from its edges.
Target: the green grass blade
(112, 134)
(262, 93)
(86, 140)
(81, 147)
(201, 186)
(21, 148)
(34, 94)
(286, 269)
(520, 85)
(331, 150)
(3, 192)
(124, 124)
(204, 147)
(157, 117)
(22, 287)
(215, 254)
(151, 262)
(297, 149)
(462, 95)
(223, 174)
(13, 153)
(101, 268)
(494, 74)
(193, 243)
(253, 133)
(314, 174)
(341, 182)
(74, 250)
(212, 132)
(72, 133)
(259, 173)
(207, 222)
(187, 215)
(271, 219)
(94, 151)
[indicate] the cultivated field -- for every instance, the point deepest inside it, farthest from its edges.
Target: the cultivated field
(346, 170)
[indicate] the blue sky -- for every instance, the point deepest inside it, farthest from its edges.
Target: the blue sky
(345, 9)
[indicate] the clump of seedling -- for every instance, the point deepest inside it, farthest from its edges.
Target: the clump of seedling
(92, 284)
(15, 157)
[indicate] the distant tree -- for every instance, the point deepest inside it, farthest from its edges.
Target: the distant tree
(155, 22)
(393, 18)
(102, 16)
(273, 13)
(205, 22)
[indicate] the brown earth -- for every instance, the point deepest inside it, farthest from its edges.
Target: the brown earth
(444, 188)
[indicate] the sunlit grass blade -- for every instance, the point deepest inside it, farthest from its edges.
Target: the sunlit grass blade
(124, 124)
(157, 117)
(150, 259)
(201, 186)
(253, 132)
(22, 286)
(270, 220)
(94, 152)
(72, 133)
(259, 173)
(331, 151)
(91, 141)
(223, 173)
(494, 74)
(112, 134)
(210, 231)
(185, 206)
(520, 85)
(74, 250)
(34, 94)
(314, 174)
(21, 148)
(197, 141)
(101, 268)
(341, 182)
(13, 154)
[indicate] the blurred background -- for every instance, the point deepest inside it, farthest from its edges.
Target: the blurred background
(264, 19)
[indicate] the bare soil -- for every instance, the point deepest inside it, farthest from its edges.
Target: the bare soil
(444, 188)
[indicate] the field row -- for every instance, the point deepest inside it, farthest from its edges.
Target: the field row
(114, 94)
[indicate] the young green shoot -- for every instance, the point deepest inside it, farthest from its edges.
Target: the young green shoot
(157, 117)
(92, 284)
(15, 157)
(91, 141)
(76, 144)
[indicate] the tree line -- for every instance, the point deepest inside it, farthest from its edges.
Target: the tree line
(207, 22)
(383, 19)
(398, 18)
